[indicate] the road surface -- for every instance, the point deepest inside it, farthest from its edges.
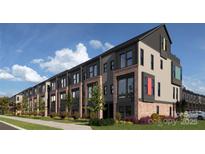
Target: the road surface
(6, 127)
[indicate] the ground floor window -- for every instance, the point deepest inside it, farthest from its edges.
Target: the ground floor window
(157, 109)
(170, 111)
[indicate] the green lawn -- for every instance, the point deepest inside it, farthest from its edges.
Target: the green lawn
(26, 125)
(57, 119)
(200, 125)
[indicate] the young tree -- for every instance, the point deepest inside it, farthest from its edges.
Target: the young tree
(96, 102)
(4, 105)
(69, 102)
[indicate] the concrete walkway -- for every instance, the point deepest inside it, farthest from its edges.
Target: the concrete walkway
(50, 123)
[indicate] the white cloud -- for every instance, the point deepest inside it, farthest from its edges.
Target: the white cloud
(37, 61)
(19, 50)
(64, 59)
(194, 84)
(26, 74)
(5, 75)
(21, 73)
(96, 44)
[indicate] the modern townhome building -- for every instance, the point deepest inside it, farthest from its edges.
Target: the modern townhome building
(138, 78)
(193, 101)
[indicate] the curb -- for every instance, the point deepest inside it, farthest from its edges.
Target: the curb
(19, 128)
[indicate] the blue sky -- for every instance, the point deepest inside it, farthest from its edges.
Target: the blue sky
(30, 53)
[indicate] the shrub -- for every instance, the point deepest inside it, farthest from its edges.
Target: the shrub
(155, 117)
(118, 116)
(53, 114)
(101, 122)
(42, 113)
(93, 115)
(35, 113)
(76, 115)
(63, 115)
(132, 119)
(145, 120)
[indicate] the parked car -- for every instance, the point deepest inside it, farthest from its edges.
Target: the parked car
(200, 115)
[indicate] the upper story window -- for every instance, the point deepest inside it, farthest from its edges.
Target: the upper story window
(76, 78)
(129, 58)
(105, 68)
(90, 89)
(93, 70)
(126, 59)
(164, 44)
(17, 98)
(63, 83)
(112, 65)
(111, 89)
(161, 64)
(53, 86)
(122, 60)
(173, 92)
(43, 88)
(142, 57)
(177, 73)
(152, 62)
(149, 86)
(177, 94)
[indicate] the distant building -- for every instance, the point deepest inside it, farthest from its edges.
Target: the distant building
(193, 101)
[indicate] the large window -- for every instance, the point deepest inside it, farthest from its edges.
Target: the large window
(63, 96)
(149, 86)
(90, 89)
(75, 93)
(126, 59)
(91, 71)
(176, 72)
(95, 70)
(141, 57)
(53, 98)
(53, 86)
(126, 87)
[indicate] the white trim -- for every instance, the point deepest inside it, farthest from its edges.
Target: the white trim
(19, 128)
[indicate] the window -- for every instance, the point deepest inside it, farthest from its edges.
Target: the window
(159, 89)
(76, 78)
(75, 94)
(112, 65)
(63, 82)
(157, 111)
(89, 91)
(95, 70)
(173, 92)
(142, 57)
(17, 98)
(63, 96)
(164, 44)
(91, 71)
(177, 94)
(126, 87)
(129, 58)
(105, 68)
(43, 88)
(53, 86)
(105, 90)
(170, 111)
(111, 89)
(152, 62)
(122, 60)
(149, 86)
(177, 73)
(122, 88)
(53, 98)
(161, 64)
(130, 83)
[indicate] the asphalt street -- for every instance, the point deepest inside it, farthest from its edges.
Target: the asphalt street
(6, 127)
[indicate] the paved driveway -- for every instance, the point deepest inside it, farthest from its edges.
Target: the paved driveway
(6, 127)
(51, 123)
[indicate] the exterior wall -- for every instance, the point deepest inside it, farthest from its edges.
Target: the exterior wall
(163, 76)
(147, 109)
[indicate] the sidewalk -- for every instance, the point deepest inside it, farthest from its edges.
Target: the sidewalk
(51, 123)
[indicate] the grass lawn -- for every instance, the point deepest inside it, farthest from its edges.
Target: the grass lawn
(200, 125)
(26, 125)
(57, 119)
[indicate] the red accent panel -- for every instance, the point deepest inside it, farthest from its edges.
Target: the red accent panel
(149, 83)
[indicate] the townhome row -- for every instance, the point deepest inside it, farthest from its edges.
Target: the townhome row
(138, 77)
(193, 101)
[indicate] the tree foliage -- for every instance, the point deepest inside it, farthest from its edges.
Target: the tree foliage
(4, 105)
(69, 101)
